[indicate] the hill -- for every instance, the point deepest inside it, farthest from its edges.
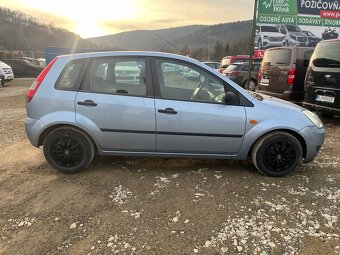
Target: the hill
(192, 37)
(145, 39)
(20, 31)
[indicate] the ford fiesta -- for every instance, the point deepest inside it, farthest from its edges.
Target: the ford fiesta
(130, 103)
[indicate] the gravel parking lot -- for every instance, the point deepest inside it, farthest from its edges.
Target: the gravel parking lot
(122, 205)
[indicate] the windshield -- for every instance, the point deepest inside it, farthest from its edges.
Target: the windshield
(269, 29)
(327, 55)
(292, 28)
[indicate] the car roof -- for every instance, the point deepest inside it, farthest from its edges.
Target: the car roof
(126, 54)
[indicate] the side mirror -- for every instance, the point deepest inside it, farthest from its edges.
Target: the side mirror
(257, 31)
(229, 97)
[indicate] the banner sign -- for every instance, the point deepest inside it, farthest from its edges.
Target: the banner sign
(326, 12)
(296, 22)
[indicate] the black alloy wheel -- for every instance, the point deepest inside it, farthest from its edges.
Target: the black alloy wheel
(277, 154)
(68, 149)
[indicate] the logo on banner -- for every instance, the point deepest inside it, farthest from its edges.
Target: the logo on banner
(287, 7)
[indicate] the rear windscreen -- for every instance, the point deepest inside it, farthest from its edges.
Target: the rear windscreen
(280, 57)
(327, 55)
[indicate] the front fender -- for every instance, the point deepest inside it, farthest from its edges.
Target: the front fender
(254, 132)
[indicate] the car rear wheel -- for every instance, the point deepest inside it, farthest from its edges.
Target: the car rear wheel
(277, 154)
(68, 150)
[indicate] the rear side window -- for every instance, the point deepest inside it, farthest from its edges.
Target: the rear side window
(117, 76)
(71, 76)
(327, 55)
(280, 57)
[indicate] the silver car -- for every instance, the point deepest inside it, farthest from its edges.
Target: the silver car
(94, 103)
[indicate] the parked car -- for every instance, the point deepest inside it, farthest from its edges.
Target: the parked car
(313, 40)
(294, 35)
(330, 33)
(74, 114)
(283, 71)
(24, 68)
(238, 73)
(268, 36)
(322, 85)
(228, 60)
(6, 73)
(213, 65)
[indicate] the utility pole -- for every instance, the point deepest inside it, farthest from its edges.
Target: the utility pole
(252, 44)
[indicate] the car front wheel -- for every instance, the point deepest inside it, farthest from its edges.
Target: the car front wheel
(277, 154)
(68, 150)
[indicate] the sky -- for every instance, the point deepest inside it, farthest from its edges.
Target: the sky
(103, 17)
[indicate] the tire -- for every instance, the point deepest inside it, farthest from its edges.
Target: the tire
(68, 150)
(286, 43)
(252, 85)
(277, 154)
(3, 82)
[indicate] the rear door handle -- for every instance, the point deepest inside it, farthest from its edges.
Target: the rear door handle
(87, 103)
(168, 111)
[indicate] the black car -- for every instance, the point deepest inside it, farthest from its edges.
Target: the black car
(322, 84)
(239, 74)
(313, 39)
(23, 68)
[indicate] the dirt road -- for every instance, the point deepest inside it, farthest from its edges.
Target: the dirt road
(161, 206)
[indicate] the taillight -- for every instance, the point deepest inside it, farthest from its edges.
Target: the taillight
(33, 89)
(291, 76)
(259, 74)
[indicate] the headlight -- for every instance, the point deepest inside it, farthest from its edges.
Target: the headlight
(266, 37)
(313, 118)
(293, 37)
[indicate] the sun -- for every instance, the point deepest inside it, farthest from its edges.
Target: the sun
(85, 17)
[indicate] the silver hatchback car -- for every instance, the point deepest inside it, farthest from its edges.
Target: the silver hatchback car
(144, 104)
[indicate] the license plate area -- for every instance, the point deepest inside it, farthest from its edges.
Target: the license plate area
(264, 81)
(325, 99)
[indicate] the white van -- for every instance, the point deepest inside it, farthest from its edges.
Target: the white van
(6, 73)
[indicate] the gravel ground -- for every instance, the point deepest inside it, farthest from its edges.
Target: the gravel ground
(122, 205)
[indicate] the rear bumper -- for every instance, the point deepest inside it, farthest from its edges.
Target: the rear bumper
(314, 138)
(321, 108)
(288, 95)
(33, 129)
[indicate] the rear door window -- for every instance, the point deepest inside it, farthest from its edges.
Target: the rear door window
(117, 76)
(279, 57)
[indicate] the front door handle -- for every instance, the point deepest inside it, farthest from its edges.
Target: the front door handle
(87, 103)
(168, 111)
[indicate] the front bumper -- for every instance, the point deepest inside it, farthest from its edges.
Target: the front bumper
(314, 138)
